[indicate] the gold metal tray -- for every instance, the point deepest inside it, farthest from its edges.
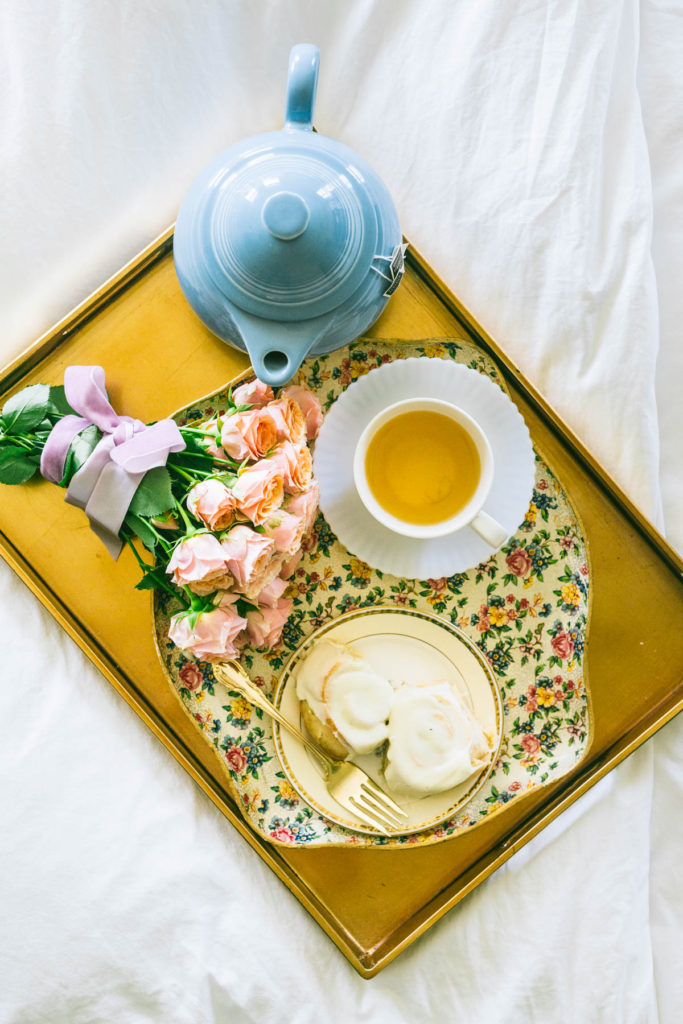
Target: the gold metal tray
(372, 903)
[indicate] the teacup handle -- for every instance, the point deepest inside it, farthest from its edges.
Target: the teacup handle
(302, 84)
(488, 529)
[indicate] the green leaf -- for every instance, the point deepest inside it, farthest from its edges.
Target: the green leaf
(242, 606)
(57, 404)
(16, 465)
(154, 494)
(80, 449)
(140, 528)
(23, 411)
(148, 582)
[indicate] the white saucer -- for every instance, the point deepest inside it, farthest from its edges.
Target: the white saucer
(406, 646)
(498, 417)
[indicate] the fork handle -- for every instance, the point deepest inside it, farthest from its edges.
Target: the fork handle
(232, 674)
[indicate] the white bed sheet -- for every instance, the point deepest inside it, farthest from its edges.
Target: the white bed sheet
(528, 147)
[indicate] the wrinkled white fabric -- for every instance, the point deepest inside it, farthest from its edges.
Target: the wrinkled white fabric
(528, 147)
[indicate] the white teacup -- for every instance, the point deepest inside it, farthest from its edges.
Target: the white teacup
(472, 514)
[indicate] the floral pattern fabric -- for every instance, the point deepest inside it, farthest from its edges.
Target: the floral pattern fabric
(526, 608)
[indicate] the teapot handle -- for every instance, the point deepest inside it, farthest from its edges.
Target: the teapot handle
(302, 83)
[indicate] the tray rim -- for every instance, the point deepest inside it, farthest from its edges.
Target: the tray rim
(367, 962)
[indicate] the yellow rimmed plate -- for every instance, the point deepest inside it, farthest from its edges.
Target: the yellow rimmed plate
(406, 646)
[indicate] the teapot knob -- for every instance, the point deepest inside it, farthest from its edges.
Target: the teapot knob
(302, 83)
(285, 215)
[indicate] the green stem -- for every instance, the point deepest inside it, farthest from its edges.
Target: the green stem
(160, 537)
(20, 441)
(188, 525)
(198, 430)
(183, 473)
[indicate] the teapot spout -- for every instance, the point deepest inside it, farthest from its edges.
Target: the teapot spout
(276, 350)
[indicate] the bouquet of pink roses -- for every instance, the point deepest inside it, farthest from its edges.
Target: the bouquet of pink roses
(222, 505)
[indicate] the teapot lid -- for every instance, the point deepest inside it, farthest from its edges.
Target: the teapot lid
(290, 224)
(292, 232)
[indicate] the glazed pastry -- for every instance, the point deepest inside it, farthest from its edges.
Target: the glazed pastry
(435, 742)
(345, 704)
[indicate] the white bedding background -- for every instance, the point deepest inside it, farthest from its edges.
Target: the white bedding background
(534, 151)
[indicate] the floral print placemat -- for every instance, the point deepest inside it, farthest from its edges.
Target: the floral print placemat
(526, 608)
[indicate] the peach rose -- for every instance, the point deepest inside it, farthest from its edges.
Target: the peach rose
(305, 505)
(213, 633)
(259, 491)
(263, 579)
(197, 559)
(249, 435)
(269, 597)
(211, 443)
(291, 423)
(288, 567)
(254, 392)
(246, 553)
(212, 502)
(264, 627)
(310, 407)
(295, 462)
(286, 531)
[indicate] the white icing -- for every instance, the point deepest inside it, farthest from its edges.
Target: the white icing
(435, 742)
(343, 690)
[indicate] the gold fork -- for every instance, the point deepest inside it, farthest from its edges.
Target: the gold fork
(346, 783)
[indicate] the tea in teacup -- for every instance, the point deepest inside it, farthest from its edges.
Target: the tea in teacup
(422, 467)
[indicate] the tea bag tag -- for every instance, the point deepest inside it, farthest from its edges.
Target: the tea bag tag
(397, 264)
(395, 269)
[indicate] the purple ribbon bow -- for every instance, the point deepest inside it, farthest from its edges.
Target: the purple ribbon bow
(106, 482)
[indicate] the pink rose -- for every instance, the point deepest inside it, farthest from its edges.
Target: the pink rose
(294, 461)
(264, 627)
(249, 435)
(259, 491)
(288, 567)
(213, 633)
(518, 562)
(212, 502)
(191, 675)
(286, 531)
(283, 834)
(562, 645)
(236, 759)
(246, 553)
(310, 407)
(291, 423)
(268, 597)
(531, 744)
(254, 392)
(305, 505)
(197, 560)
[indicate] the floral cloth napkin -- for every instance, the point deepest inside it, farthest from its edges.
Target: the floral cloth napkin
(526, 608)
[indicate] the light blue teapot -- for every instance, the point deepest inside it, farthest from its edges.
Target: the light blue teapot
(288, 243)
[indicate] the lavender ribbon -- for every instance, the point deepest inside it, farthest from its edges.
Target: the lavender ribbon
(105, 484)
